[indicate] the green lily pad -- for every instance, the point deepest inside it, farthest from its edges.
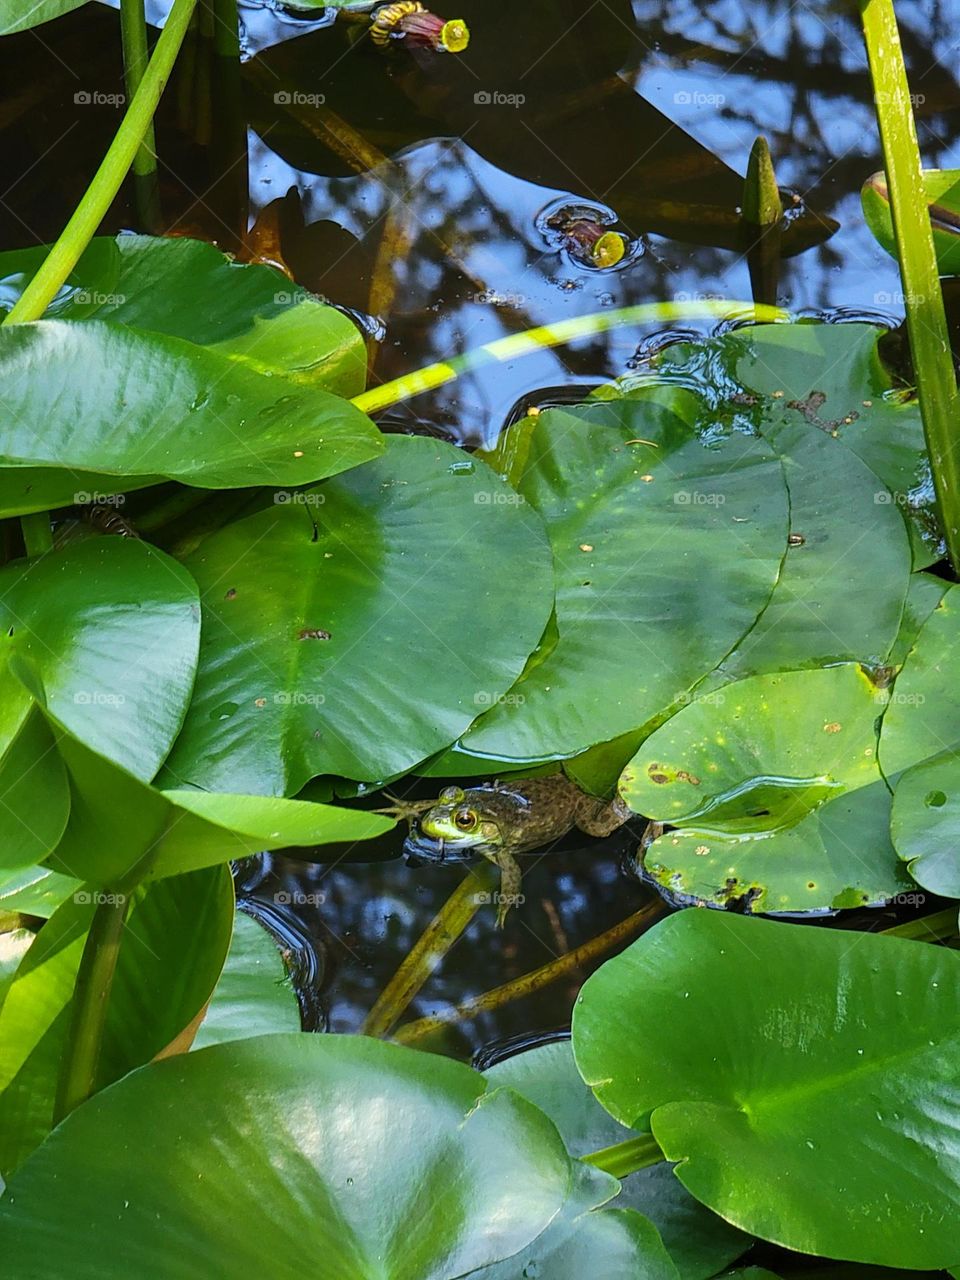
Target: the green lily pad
(17, 16)
(925, 823)
(829, 378)
(776, 1063)
(773, 788)
(699, 1243)
(941, 188)
(328, 1148)
(181, 926)
(923, 718)
(666, 547)
(120, 826)
(585, 1240)
(361, 630)
(111, 627)
(188, 289)
(118, 408)
(36, 891)
(923, 595)
(254, 995)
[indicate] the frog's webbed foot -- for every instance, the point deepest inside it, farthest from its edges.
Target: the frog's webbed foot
(404, 810)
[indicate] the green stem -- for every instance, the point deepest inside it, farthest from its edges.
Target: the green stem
(133, 32)
(37, 534)
(923, 299)
(108, 179)
(430, 948)
(555, 335)
(936, 928)
(91, 994)
(627, 1157)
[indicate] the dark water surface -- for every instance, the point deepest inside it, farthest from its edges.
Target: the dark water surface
(413, 190)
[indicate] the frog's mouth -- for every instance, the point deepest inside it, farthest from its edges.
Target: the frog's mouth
(419, 847)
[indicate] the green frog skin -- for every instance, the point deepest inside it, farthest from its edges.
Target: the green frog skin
(502, 819)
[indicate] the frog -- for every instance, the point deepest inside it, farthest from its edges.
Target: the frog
(500, 819)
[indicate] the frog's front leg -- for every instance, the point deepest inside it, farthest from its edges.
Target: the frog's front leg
(596, 817)
(511, 879)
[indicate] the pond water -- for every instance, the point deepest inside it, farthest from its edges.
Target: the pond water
(413, 191)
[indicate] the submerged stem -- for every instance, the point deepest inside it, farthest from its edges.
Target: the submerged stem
(555, 335)
(108, 179)
(923, 298)
(91, 994)
(430, 948)
(627, 1157)
(536, 980)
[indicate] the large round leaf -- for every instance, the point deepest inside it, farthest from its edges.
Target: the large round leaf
(805, 1079)
(367, 1159)
(773, 787)
(254, 996)
(925, 823)
(360, 630)
(666, 546)
(16, 15)
(923, 718)
(583, 1240)
(189, 289)
(111, 626)
(88, 400)
(830, 380)
(172, 950)
(699, 1243)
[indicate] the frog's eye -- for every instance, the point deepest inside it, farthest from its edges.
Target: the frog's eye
(451, 795)
(465, 819)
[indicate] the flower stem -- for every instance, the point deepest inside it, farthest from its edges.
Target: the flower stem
(627, 1157)
(133, 32)
(91, 995)
(108, 179)
(923, 299)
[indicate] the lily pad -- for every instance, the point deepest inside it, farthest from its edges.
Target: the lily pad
(181, 925)
(775, 1062)
(36, 891)
(254, 995)
(831, 379)
(117, 408)
(360, 630)
(773, 788)
(296, 1134)
(699, 1243)
(111, 627)
(17, 16)
(925, 823)
(941, 188)
(666, 547)
(923, 718)
(188, 289)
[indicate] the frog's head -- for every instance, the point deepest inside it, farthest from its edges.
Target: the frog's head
(456, 827)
